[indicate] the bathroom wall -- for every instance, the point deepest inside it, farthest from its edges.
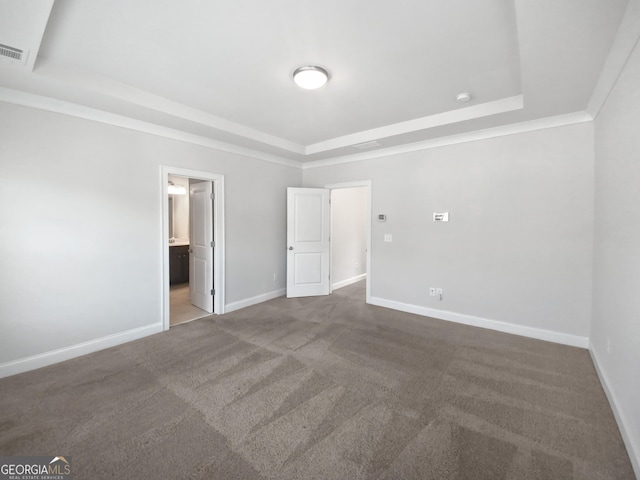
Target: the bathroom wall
(180, 210)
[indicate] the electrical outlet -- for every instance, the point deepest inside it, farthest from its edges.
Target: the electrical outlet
(275, 277)
(432, 291)
(439, 293)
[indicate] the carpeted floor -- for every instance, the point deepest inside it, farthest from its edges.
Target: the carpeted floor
(320, 388)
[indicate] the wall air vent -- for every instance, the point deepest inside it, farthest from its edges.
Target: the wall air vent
(365, 145)
(11, 54)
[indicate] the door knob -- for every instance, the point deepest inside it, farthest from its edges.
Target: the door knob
(290, 248)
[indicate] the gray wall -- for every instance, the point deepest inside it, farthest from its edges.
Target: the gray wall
(615, 333)
(81, 227)
(348, 234)
(518, 248)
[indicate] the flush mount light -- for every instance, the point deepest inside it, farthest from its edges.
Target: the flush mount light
(310, 77)
(463, 97)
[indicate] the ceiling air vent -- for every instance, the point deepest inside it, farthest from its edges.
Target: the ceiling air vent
(11, 53)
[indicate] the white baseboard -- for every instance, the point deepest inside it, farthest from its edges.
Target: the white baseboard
(49, 358)
(633, 449)
(348, 281)
(247, 302)
(531, 332)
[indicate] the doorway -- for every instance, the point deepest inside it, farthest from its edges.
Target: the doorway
(181, 309)
(351, 234)
(193, 245)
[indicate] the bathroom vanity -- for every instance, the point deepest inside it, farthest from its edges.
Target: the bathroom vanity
(178, 264)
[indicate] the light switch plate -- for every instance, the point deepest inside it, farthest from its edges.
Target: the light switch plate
(388, 237)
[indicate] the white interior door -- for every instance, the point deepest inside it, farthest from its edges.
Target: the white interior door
(201, 245)
(308, 230)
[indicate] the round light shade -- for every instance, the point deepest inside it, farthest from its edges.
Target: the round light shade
(463, 97)
(310, 77)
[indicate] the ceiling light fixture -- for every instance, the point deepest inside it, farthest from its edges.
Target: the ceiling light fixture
(310, 77)
(463, 97)
(176, 189)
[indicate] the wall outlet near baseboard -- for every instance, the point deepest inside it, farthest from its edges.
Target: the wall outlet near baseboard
(439, 293)
(275, 277)
(432, 291)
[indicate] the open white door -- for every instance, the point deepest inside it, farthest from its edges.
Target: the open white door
(201, 245)
(308, 229)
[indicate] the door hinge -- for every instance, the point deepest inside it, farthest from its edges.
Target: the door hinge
(213, 292)
(213, 244)
(213, 196)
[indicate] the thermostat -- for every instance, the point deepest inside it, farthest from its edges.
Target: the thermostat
(441, 217)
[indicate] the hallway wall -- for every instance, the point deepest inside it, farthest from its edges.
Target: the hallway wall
(348, 234)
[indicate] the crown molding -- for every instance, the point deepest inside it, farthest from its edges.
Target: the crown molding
(445, 118)
(81, 80)
(511, 129)
(67, 108)
(80, 111)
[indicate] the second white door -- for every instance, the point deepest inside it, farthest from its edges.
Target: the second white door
(308, 243)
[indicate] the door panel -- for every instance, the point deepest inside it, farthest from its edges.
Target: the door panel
(201, 238)
(308, 268)
(308, 223)
(308, 217)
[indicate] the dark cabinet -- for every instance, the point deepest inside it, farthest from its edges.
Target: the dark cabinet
(178, 264)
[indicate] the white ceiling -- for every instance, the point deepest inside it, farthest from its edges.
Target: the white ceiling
(222, 69)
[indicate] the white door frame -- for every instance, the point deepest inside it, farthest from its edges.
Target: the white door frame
(218, 237)
(368, 184)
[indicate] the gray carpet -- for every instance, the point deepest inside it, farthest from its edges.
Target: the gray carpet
(320, 388)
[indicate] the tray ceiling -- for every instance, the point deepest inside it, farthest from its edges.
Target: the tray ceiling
(222, 70)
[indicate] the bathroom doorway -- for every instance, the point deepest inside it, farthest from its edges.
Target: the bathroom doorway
(192, 244)
(190, 215)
